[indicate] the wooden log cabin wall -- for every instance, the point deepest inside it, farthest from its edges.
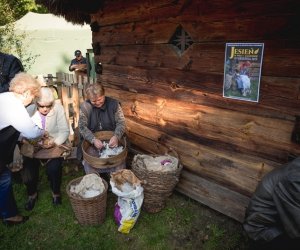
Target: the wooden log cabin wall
(175, 98)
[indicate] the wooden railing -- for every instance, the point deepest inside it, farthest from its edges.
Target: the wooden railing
(71, 92)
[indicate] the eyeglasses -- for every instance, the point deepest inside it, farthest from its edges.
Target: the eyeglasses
(44, 106)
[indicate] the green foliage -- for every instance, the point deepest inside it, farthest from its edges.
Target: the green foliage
(20, 8)
(215, 237)
(13, 42)
(6, 13)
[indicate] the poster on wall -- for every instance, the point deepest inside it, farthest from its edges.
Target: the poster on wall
(242, 71)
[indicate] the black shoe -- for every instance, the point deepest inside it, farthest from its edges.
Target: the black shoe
(56, 200)
(8, 222)
(30, 203)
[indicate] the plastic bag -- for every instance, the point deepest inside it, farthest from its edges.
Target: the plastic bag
(128, 206)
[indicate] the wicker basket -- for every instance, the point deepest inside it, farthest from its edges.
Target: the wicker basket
(88, 211)
(110, 162)
(158, 186)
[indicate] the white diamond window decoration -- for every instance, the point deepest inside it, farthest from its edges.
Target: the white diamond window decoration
(181, 40)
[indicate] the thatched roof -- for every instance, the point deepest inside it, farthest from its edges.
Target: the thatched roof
(75, 11)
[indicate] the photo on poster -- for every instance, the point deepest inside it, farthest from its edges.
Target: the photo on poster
(242, 71)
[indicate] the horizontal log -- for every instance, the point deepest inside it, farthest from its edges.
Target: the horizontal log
(199, 57)
(239, 172)
(278, 96)
(222, 10)
(114, 11)
(282, 87)
(208, 82)
(213, 195)
(257, 135)
(278, 26)
(202, 12)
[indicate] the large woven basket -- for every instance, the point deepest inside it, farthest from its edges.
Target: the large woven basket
(110, 162)
(158, 186)
(88, 211)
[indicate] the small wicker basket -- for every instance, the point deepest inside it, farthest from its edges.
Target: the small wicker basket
(102, 163)
(158, 186)
(88, 211)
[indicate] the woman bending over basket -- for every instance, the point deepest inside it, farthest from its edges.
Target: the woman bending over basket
(100, 113)
(51, 117)
(14, 121)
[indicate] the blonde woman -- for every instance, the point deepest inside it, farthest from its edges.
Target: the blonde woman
(14, 122)
(49, 116)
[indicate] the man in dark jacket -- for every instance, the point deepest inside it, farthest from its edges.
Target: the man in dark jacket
(9, 67)
(273, 216)
(79, 63)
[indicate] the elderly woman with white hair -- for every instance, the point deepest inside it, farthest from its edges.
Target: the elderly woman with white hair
(51, 117)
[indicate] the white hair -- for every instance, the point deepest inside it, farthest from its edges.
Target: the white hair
(23, 82)
(46, 96)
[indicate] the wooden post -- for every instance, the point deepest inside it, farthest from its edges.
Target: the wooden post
(71, 91)
(75, 98)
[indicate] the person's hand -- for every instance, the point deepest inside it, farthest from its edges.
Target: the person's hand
(98, 143)
(45, 134)
(25, 141)
(80, 67)
(74, 66)
(113, 142)
(48, 143)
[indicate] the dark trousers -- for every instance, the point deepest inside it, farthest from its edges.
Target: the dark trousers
(8, 142)
(281, 242)
(30, 174)
(8, 207)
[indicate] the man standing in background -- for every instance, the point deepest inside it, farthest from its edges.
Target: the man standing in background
(79, 63)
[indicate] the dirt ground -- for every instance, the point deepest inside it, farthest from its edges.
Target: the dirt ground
(208, 229)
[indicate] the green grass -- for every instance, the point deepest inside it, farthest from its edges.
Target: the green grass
(182, 224)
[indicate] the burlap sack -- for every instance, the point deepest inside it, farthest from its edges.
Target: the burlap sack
(54, 152)
(27, 150)
(45, 153)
